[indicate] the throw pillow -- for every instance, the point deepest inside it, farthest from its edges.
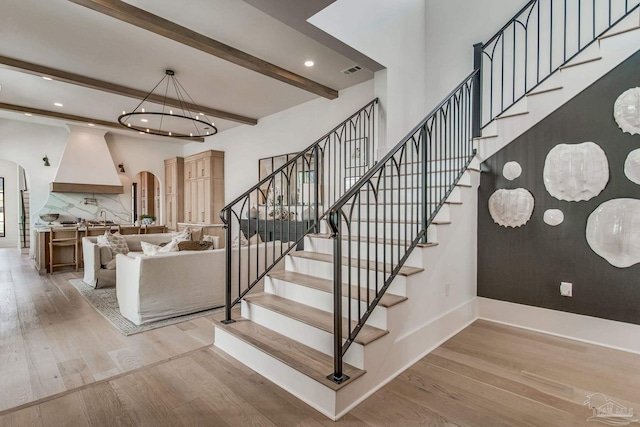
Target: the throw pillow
(105, 254)
(183, 235)
(255, 239)
(196, 233)
(240, 240)
(149, 249)
(194, 246)
(215, 240)
(116, 242)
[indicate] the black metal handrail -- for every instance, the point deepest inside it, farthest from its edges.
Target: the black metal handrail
(289, 202)
(542, 37)
(385, 215)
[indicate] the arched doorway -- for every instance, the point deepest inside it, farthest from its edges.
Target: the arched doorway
(145, 196)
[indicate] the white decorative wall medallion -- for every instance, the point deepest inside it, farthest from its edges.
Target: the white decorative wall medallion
(511, 170)
(575, 172)
(632, 166)
(626, 111)
(613, 231)
(553, 217)
(511, 208)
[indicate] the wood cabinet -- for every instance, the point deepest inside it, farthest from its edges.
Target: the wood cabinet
(174, 192)
(204, 187)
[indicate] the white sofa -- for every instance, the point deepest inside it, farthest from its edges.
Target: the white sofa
(95, 273)
(151, 288)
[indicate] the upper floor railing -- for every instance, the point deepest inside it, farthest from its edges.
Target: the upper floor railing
(270, 219)
(543, 36)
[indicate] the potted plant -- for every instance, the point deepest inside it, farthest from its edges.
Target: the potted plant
(147, 219)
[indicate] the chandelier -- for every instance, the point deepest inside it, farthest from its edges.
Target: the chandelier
(180, 117)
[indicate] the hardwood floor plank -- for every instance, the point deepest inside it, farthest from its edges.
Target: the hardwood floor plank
(67, 411)
(24, 417)
(104, 408)
(75, 373)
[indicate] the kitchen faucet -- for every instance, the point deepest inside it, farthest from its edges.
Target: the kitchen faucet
(104, 221)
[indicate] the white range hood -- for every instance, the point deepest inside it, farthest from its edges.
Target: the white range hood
(86, 165)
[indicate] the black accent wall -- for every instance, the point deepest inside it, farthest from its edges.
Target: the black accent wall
(526, 265)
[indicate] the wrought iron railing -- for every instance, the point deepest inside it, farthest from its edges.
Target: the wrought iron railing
(543, 36)
(378, 222)
(289, 203)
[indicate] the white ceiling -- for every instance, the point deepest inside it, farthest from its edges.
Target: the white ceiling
(69, 37)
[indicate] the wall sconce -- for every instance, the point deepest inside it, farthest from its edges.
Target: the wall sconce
(121, 167)
(45, 159)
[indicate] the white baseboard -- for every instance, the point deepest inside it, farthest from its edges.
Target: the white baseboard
(593, 330)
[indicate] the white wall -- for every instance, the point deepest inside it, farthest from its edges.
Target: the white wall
(139, 155)
(288, 131)
(392, 33)
(452, 28)
(9, 171)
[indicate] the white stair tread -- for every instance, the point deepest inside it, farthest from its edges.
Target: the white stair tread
(308, 361)
(404, 271)
(312, 316)
(325, 285)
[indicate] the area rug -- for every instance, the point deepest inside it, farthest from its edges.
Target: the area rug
(105, 302)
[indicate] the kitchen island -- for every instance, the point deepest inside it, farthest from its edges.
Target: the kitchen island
(61, 255)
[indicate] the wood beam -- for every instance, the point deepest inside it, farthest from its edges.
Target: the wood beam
(73, 118)
(88, 82)
(140, 18)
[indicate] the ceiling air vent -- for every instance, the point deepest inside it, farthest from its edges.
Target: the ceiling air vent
(352, 70)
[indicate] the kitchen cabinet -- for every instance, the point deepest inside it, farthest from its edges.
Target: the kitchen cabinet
(204, 187)
(174, 192)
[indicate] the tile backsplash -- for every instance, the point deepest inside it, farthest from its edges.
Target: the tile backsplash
(87, 206)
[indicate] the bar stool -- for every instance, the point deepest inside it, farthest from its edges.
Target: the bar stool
(154, 229)
(129, 229)
(96, 231)
(60, 237)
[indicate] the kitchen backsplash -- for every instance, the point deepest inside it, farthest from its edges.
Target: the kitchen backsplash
(87, 206)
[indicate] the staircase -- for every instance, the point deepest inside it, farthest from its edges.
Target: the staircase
(25, 225)
(378, 284)
(285, 332)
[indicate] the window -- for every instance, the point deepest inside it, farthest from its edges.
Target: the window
(1, 207)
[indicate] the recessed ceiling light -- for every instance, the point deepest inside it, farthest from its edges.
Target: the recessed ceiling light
(144, 120)
(141, 133)
(47, 78)
(58, 104)
(90, 124)
(28, 114)
(308, 63)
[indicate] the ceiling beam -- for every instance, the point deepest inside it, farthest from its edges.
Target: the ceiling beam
(73, 118)
(140, 18)
(88, 82)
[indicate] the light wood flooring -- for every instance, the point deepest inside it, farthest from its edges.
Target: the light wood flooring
(62, 364)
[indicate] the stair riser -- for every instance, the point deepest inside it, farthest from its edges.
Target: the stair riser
(412, 195)
(308, 390)
(432, 233)
(324, 300)
(453, 164)
(325, 246)
(399, 212)
(324, 270)
(299, 331)
(413, 179)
